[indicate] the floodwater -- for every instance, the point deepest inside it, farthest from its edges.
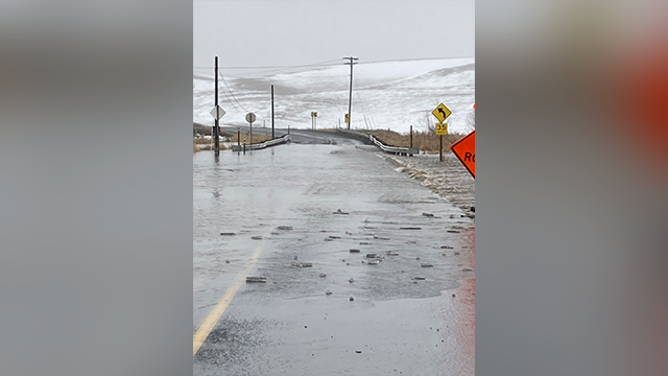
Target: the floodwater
(291, 214)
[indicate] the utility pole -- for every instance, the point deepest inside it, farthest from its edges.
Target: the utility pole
(351, 61)
(272, 112)
(215, 127)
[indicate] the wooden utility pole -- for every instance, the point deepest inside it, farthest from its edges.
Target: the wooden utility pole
(351, 61)
(272, 112)
(411, 136)
(215, 127)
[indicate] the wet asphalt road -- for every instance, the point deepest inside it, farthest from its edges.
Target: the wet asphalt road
(280, 203)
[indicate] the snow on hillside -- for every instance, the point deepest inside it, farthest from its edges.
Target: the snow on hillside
(391, 95)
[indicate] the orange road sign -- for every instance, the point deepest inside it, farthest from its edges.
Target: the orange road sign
(464, 149)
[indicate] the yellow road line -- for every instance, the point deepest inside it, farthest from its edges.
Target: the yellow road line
(217, 311)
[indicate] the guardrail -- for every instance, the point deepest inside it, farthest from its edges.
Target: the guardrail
(386, 148)
(262, 145)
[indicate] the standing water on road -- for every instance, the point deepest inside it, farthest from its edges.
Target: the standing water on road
(322, 259)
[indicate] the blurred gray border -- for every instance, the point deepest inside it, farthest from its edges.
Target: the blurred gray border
(96, 197)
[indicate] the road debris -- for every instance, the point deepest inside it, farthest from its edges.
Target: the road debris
(256, 237)
(426, 265)
(284, 228)
(323, 275)
(227, 233)
(446, 247)
(352, 299)
(328, 293)
(301, 264)
(419, 278)
(354, 251)
(338, 211)
(428, 215)
(410, 228)
(391, 253)
(256, 279)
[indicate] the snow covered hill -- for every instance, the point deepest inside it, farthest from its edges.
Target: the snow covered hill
(390, 95)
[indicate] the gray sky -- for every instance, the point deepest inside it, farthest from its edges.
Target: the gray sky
(280, 32)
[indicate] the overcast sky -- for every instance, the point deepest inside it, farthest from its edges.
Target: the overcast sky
(251, 33)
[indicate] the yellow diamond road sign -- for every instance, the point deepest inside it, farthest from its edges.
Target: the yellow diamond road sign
(441, 112)
(441, 128)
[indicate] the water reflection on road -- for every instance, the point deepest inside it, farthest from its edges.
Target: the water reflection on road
(281, 204)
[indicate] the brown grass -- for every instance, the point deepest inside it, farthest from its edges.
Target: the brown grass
(202, 141)
(425, 141)
(257, 137)
(200, 144)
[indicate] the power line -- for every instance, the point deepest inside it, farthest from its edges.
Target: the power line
(270, 67)
(324, 63)
(368, 116)
(232, 94)
(287, 70)
(229, 99)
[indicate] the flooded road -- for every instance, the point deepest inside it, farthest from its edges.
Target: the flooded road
(365, 271)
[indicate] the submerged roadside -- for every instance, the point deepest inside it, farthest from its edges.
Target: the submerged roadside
(448, 179)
